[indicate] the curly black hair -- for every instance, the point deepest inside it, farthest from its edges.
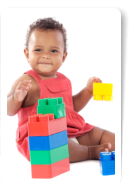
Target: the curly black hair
(45, 24)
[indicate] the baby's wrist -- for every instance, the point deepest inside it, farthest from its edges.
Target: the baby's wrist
(89, 90)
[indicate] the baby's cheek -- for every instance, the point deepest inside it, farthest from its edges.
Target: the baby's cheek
(59, 58)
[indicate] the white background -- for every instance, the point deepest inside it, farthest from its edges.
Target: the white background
(94, 49)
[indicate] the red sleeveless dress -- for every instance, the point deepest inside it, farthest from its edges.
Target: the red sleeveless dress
(50, 88)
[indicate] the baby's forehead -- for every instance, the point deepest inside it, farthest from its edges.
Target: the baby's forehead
(48, 36)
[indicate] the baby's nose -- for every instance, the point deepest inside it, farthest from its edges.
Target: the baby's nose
(46, 56)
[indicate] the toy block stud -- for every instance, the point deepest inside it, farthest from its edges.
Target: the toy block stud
(53, 101)
(102, 91)
(34, 118)
(113, 155)
(107, 163)
(43, 118)
(60, 100)
(108, 98)
(98, 97)
(51, 117)
(52, 105)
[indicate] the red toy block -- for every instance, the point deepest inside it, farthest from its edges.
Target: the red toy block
(45, 125)
(50, 171)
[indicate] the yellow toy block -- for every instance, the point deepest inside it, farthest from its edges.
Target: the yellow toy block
(102, 91)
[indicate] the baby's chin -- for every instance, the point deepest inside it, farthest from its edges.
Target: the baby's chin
(45, 73)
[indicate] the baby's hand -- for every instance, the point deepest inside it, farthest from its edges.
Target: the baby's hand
(22, 90)
(90, 82)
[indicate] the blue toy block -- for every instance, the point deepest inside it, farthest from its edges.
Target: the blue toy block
(37, 143)
(107, 163)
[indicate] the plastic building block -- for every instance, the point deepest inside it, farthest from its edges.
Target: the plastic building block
(45, 143)
(103, 91)
(107, 163)
(50, 171)
(45, 125)
(52, 105)
(49, 157)
(48, 140)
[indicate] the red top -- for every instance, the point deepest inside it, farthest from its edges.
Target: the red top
(50, 88)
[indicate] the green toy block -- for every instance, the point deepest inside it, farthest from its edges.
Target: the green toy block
(52, 105)
(49, 157)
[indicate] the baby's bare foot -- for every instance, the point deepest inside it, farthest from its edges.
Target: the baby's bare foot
(94, 151)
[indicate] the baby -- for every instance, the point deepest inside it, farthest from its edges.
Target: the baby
(46, 51)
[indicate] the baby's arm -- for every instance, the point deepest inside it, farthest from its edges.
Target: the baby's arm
(17, 95)
(82, 98)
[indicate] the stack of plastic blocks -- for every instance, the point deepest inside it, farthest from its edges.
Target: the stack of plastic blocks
(48, 140)
(107, 163)
(103, 91)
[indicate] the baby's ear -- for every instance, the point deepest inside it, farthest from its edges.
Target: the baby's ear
(26, 52)
(64, 56)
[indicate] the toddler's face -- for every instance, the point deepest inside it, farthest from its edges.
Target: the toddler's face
(45, 52)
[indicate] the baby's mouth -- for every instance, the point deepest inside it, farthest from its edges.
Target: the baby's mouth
(45, 63)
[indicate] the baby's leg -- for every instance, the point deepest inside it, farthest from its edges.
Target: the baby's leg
(79, 152)
(97, 136)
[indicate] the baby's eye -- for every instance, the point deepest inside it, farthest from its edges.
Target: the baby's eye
(53, 51)
(38, 50)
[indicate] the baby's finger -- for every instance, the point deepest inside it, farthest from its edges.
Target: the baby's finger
(99, 80)
(26, 80)
(23, 85)
(96, 79)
